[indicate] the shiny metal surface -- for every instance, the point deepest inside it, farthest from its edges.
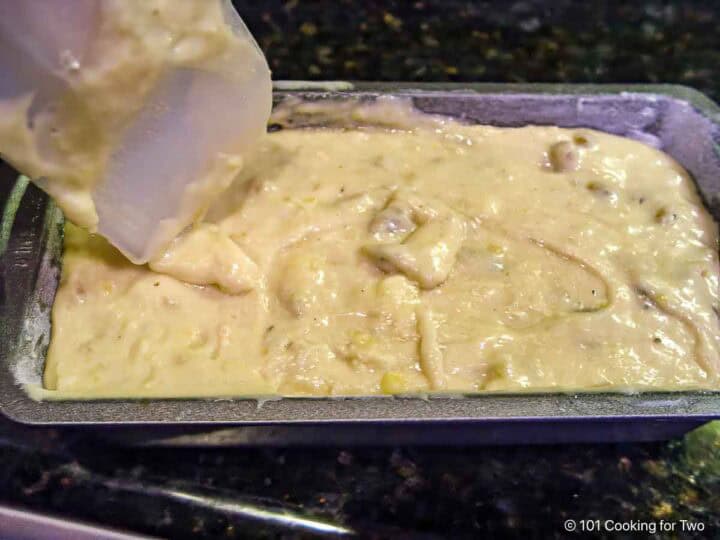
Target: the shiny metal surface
(17, 524)
(679, 120)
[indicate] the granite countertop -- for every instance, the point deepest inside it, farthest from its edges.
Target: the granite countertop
(411, 491)
(382, 492)
(492, 41)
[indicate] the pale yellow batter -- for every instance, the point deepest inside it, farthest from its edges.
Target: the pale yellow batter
(70, 133)
(436, 259)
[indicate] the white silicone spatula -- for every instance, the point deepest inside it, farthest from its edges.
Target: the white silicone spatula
(188, 119)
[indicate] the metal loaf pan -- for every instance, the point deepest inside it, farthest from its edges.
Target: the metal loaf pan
(679, 120)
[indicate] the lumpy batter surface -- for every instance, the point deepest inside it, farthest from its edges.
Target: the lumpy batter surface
(433, 259)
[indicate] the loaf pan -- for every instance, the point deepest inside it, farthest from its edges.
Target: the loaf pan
(679, 120)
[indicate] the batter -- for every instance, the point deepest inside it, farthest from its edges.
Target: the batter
(78, 129)
(440, 258)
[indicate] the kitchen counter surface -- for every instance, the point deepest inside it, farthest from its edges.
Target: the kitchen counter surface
(436, 491)
(608, 41)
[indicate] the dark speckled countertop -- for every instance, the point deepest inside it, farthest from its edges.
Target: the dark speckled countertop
(491, 41)
(528, 491)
